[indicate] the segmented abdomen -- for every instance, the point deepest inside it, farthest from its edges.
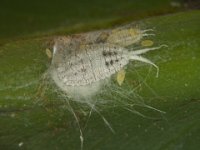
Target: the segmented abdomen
(124, 37)
(91, 63)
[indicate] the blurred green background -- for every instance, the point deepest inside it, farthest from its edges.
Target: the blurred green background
(27, 122)
(33, 17)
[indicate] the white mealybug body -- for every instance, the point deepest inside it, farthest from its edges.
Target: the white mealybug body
(126, 37)
(78, 68)
(91, 63)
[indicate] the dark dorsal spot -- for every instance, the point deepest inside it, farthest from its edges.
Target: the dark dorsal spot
(110, 53)
(90, 43)
(104, 53)
(111, 62)
(83, 70)
(75, 73)
(69, 52)
(116, 60)
(107, 63)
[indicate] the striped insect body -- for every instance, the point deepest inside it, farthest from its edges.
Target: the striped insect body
(124, 37)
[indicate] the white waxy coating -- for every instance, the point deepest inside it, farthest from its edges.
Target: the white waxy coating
(78, 68)
(88, 63)
(76, 64)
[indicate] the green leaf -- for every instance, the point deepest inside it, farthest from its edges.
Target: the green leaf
(36, 18)
(30, 123)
